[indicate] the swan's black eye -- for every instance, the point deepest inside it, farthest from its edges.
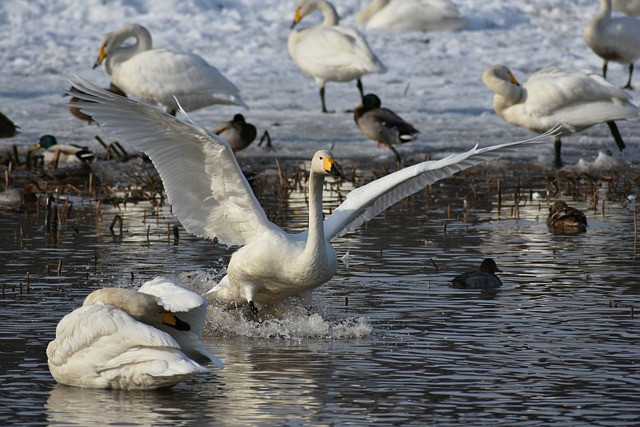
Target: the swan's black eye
(320, 157)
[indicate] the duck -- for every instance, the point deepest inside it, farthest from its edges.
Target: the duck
(483, 278)
(160, 76)
(79, 114)
(237, 132)
(614, 39)
(411, 15)
(382, 124)
(270, 265)
(628, 7)
(564, 219)
(63, 153)
(133, 340)
(574, 99)
(330, 52)
(7, 127)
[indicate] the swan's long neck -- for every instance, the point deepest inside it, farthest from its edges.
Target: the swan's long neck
(316, 243)
(605, 10)
(122, 53)
(506, 92)
(331, 17)
(367, 13)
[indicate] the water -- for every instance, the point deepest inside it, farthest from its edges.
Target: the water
(388, 343)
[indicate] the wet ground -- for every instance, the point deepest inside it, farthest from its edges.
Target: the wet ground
(389, 342)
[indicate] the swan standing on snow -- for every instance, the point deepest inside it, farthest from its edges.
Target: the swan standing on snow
(328, 51)
(211, 198)
(574, 99)
(156, 76)
(127, 339)
(411, 15)
(614, 39)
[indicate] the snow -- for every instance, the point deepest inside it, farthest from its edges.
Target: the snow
(435, 85)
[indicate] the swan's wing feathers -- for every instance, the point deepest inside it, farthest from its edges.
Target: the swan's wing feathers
(204, 184)
(171, 295)
(366, 202)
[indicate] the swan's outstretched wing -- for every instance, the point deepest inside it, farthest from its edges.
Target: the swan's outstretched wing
(366, 202)
(204, 184)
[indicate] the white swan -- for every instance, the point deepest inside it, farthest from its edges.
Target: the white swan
(574, 99)
(156, 76)
(411, 15)
(628, 7)
(212, 199)
(328, 51)
(127, 339)
(614, 39)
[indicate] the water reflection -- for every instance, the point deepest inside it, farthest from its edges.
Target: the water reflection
(390, 341)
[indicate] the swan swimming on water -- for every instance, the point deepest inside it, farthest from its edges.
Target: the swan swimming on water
(126, 339)
(159, 76)
(212, 199)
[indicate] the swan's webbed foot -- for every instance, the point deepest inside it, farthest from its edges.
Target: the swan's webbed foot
(253, 312)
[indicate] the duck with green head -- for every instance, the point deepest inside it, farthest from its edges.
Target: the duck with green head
(64, 153)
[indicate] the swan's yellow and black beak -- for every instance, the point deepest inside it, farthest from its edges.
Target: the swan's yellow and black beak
(331, 167)
(170, 319)
(102, 54)
(297, 18)
(513, 79)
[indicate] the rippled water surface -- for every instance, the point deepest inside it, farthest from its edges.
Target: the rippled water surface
(389, 341)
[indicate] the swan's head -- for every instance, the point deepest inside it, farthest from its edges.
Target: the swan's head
(323, 163)
(140, 306)
(305, 7)
(501, 72)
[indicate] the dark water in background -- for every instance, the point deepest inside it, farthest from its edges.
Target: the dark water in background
(557, 345)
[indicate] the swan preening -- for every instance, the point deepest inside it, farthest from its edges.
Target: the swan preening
(614, 39)
(160, 76)
(574, 99)
(328, 51)
(212, 199)
(411, 15)
(126, 339)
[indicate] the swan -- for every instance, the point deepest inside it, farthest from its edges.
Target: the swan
(483, 278)
(237, 132)
(614, 39)
(126, 339)
(411, 15)
(156, 76)
(628, 7)
(381, 124)
(564, 219)
(572, 98)
(328, 51)
(212, 199)
(62, 153)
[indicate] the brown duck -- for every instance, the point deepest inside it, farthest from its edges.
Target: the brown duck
(564, 219)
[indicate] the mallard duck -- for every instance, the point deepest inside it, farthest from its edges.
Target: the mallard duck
(329, 52)
(126, 339)
(483, 278)
(614, 39)
(574, 99)
(159, 76)
(237, 132)
(411, 15)
(211, 198)
(381, 124)
(79, 114)
(63, 153)
(564, 219)
(7, 127)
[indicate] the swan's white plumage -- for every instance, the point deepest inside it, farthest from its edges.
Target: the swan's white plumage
(614, 39)
(411, 15)
(628, 7)
(272, 264)
(117, 339)
(328, 51)
(156, 76)
(574, 99)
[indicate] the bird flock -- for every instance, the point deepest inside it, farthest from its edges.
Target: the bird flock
(150, 338)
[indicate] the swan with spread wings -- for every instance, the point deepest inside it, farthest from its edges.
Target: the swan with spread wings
(212, 199)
